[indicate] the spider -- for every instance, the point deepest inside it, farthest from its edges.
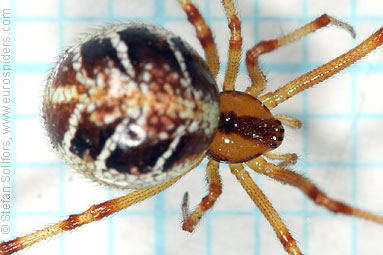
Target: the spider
(134, 106)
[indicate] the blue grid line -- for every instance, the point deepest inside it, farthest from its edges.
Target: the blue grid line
(111, 223)
(159, 215)
(354, 161)
(112, 18)
(257, 218)
(217, 213)
(61, 169)
(304, 119)
(311, 164)
(360, 67)
(208, 224)
(354, 98)
(159, 227)
(13, 147)
(370, 116)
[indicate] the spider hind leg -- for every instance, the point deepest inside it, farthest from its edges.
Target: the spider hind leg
(94, 213)
(215, 189)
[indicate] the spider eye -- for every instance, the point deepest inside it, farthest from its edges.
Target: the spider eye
(246, 129)
(131, 106)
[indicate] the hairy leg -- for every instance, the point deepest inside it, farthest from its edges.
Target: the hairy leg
(235, 45)
(257, 77)
(266, 208)
(215, 189)
(204, 35)
(94, 213)
(287, 158)
(286, 176)
(272, 99)
(292, 122)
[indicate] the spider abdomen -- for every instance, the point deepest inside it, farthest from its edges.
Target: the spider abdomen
(131, 106)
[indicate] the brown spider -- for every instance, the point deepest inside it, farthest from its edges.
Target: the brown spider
(88, 129)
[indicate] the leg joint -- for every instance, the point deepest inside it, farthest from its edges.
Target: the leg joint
(260, 48)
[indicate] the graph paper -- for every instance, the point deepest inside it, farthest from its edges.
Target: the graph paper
(339, 146)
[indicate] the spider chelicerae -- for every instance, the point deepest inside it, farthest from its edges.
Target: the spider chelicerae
(110, 139)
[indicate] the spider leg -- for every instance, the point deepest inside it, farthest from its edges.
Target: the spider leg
(257, 77)
(235, 45)
(287, 158)
(292, 122)
(94, 213)
(266, 208)
(215, 189)
(272, 99)
(286, 176)
(204, 35)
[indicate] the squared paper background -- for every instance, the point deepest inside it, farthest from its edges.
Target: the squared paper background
(340, 143)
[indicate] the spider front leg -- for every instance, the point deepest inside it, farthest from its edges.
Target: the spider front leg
(266, 208)
(272, 99)
(215, 189)
(286, 176)
(257, 77)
